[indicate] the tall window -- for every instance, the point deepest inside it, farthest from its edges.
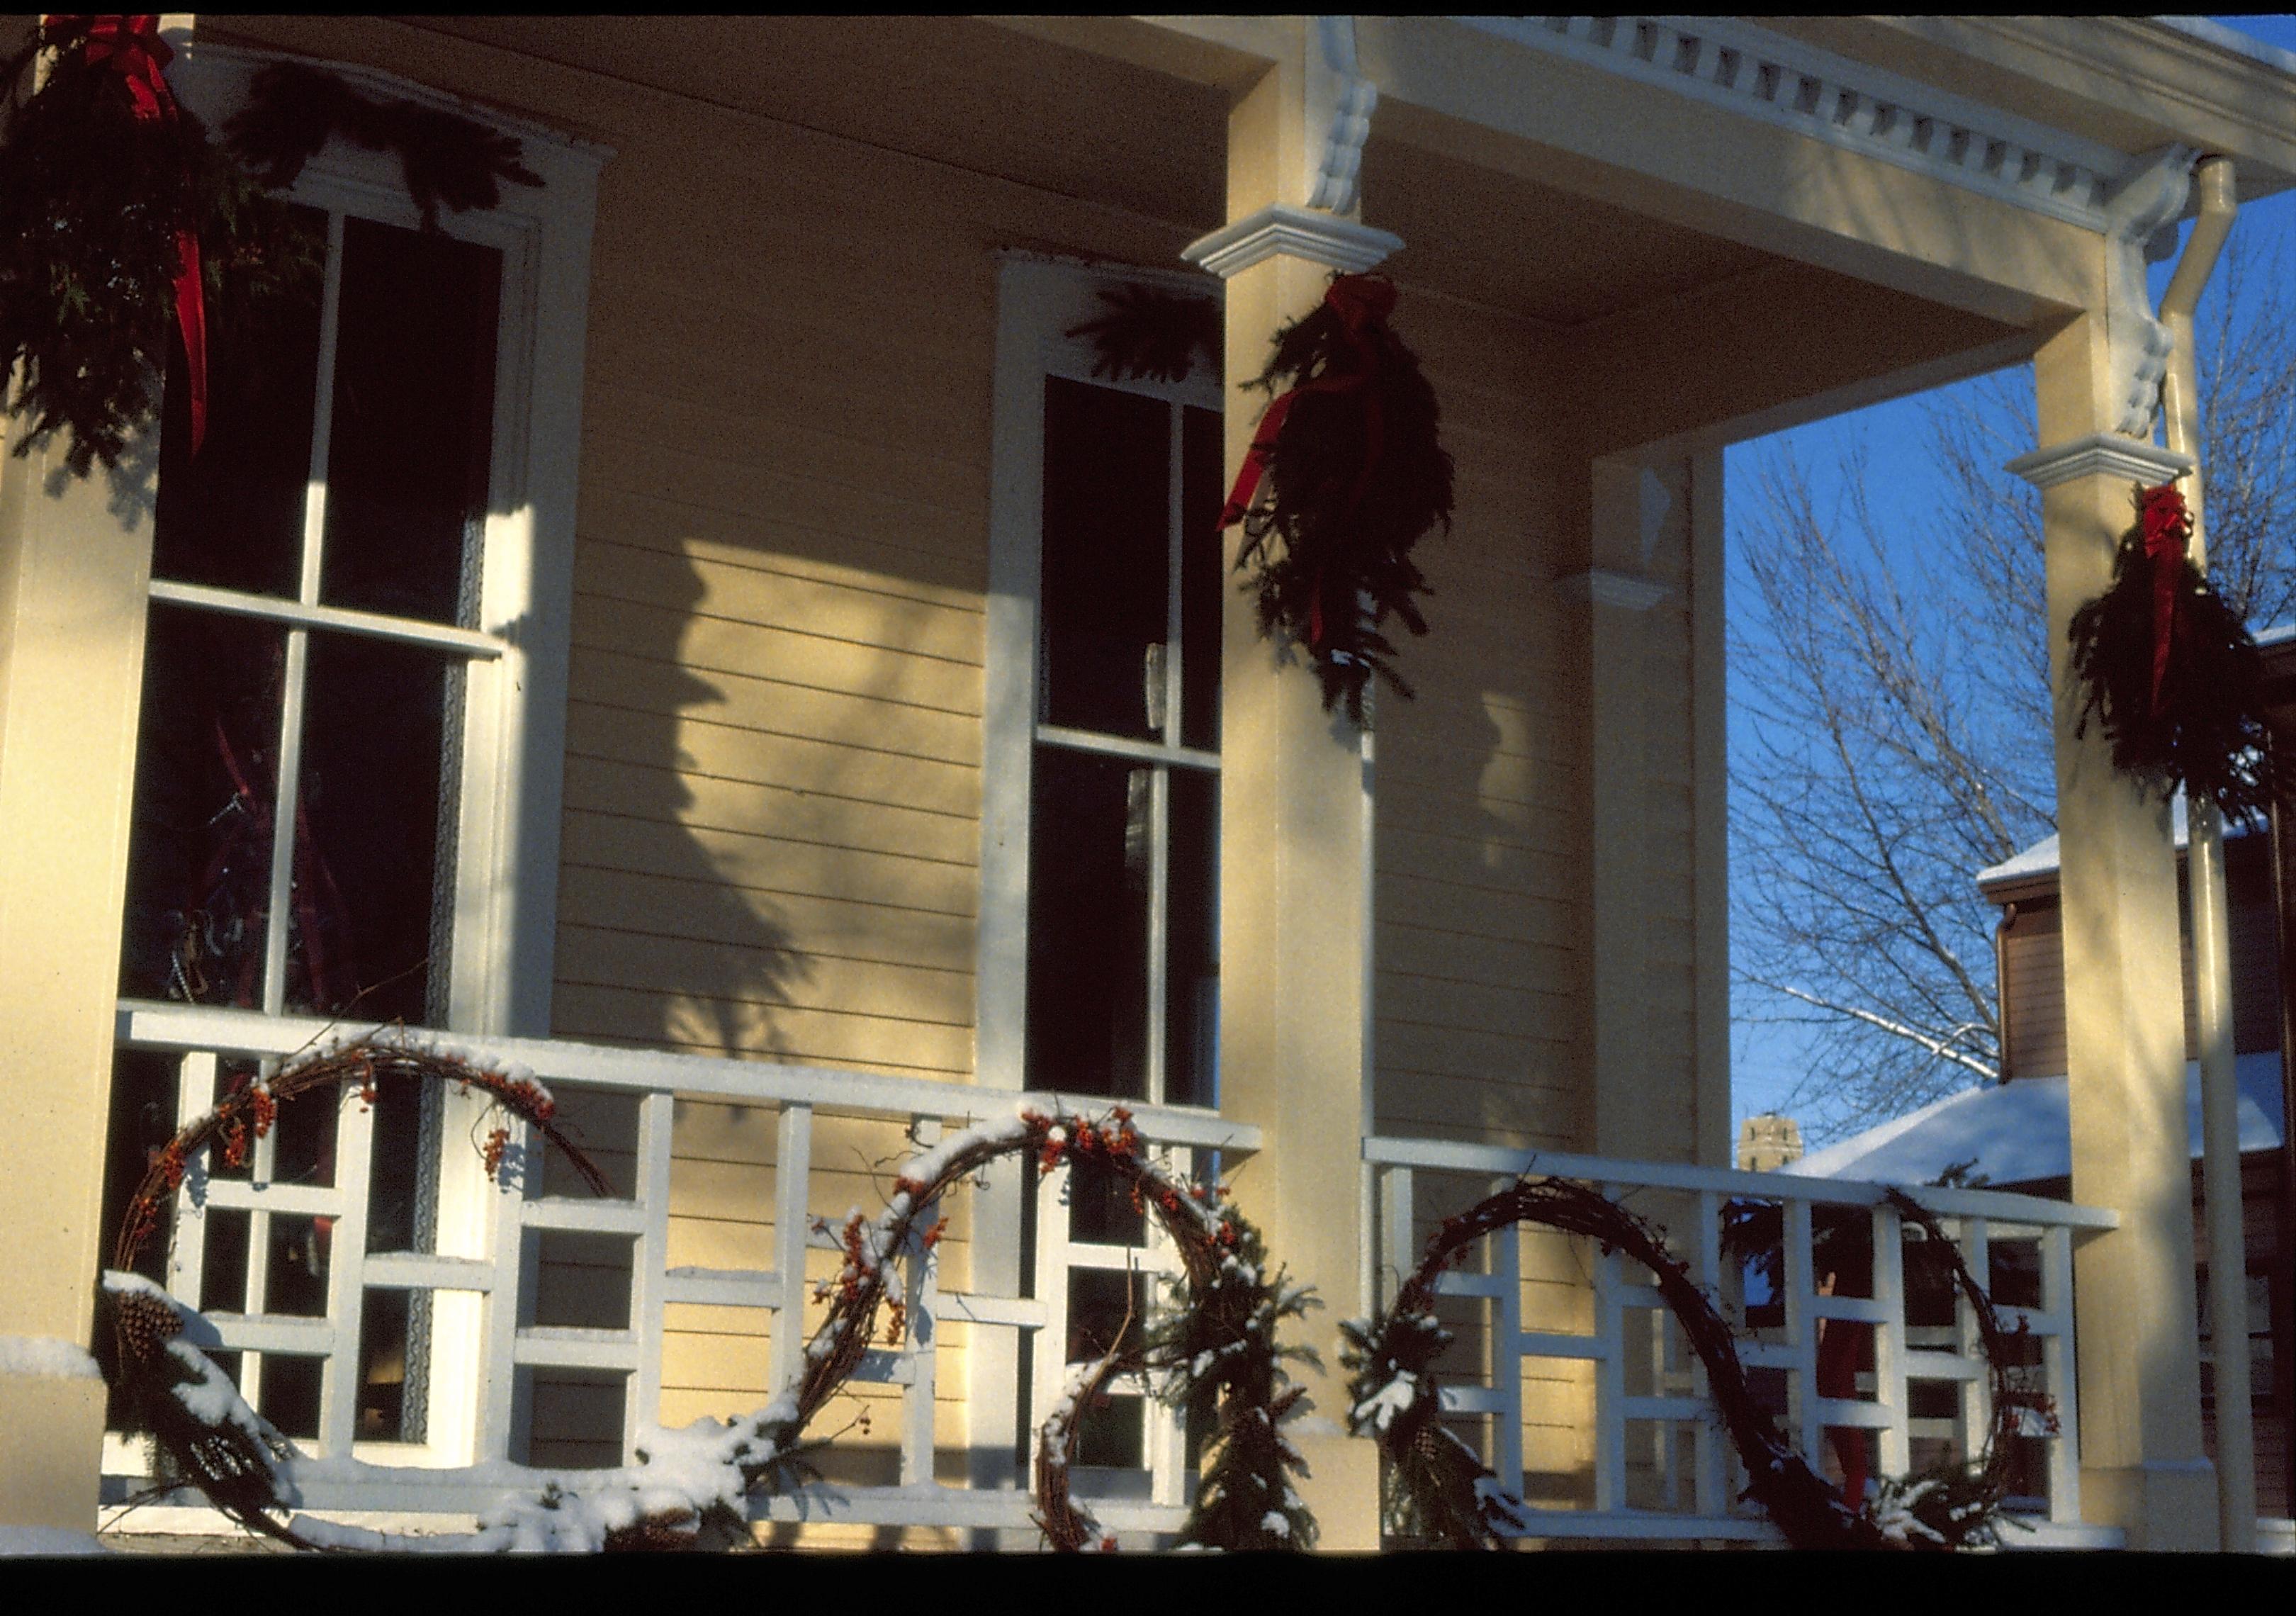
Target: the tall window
(348, 755)
(1116, 565)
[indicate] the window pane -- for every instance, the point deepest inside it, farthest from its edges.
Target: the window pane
(233, 514)
(414, 409)
(198, 862)
(1088, 925)
(374, 852)
(1107, 551)
(1192, 941)
(1203, 577)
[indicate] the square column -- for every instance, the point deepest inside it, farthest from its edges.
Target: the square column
(1295, 828)
(2143, 1464)
(75, 563)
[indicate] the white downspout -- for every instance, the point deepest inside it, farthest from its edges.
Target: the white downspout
(2235, 1443)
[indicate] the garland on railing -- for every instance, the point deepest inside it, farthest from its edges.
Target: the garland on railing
(127, 234)
(689, 1488)
(1357, 476)
(1436, 1489)
(2170, 670)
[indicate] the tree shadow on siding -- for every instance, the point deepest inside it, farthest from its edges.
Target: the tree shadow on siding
(658, 940)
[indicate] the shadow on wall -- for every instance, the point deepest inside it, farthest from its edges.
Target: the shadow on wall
(659, 940)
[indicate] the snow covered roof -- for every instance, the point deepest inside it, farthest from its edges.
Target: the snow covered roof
(2019, 1132)
(2041, 858)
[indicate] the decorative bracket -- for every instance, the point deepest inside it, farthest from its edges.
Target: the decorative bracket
(2143, 205)
(1339, 107)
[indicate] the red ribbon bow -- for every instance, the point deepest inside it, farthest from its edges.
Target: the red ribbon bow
(1358, 301)
(137, 52)
(2168, 533)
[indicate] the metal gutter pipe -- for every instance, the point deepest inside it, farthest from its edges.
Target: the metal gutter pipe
(2236, 1434)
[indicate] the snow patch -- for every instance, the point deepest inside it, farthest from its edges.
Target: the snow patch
(47, 1356)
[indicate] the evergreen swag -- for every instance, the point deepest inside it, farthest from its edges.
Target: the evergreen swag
(1215, 1352)
(1437, 1491)
(1357, 478)
(2169, 670)
(1148, 333)
(122, 222)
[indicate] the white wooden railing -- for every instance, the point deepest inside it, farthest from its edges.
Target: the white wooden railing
(1661, 1468)
(478, 1278)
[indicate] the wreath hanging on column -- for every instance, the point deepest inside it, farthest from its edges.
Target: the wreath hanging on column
(127, 234)
(2169, 670)
(1357, 477)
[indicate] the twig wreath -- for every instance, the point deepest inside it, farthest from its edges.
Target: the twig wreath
(1436, 1489)
(123, 225)
(2169, 670)
(1357, 477)
(1215, 1345)
(211, 1439)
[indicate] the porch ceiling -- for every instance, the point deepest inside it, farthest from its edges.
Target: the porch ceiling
(999, 100)
(954, 90)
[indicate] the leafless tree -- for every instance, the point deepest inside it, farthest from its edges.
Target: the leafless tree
(1891, 727)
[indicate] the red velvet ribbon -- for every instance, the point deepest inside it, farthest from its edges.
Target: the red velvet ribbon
(2167, 534)
(137, 52)
(1358, 301)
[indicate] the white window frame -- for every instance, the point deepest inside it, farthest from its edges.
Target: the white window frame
(1040, 298)
(505, 903)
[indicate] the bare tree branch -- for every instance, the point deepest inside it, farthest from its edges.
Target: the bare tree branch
(1891, 731)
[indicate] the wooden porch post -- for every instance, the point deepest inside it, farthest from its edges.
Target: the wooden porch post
(2143, 1467)
(75, 560)
(1295, 833)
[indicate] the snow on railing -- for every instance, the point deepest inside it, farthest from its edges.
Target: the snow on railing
(1788, 1259)
(479, 1270)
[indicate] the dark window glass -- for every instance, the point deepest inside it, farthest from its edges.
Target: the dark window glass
(1192, 941)
(1088, 868)
(1106, 556)
(408, 449)
(198, 862)
(233, 514)
(374, 835)
(1204, 578)
(394, 1380)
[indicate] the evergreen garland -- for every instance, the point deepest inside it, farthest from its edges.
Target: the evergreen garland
(94, 201)
(1151, 333)
(1357, 476)
(293, 108)
(103, 201)
(2170, 671)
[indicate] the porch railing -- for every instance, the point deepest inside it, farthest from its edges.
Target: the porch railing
(1647, 1460)
(483, 1327)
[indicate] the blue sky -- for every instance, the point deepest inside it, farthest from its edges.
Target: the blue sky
(1903, 488)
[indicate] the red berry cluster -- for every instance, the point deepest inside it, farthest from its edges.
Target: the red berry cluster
(496, 1145)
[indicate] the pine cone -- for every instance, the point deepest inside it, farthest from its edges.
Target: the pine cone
(145, 1324)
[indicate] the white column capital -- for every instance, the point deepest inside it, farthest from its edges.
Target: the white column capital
(2102, 455)
(1299, 233)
